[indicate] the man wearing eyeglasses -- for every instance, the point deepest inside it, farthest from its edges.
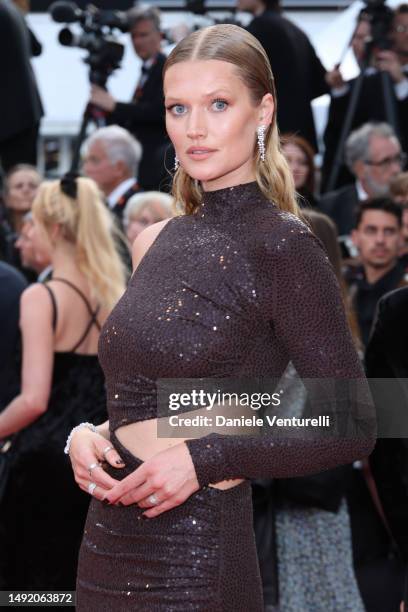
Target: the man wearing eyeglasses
(374, 157)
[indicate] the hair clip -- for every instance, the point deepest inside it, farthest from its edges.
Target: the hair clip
(69, 184)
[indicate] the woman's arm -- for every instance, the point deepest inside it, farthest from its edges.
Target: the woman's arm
(38, 359)
(300, 296)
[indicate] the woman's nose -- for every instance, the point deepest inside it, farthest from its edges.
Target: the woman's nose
(196, 126)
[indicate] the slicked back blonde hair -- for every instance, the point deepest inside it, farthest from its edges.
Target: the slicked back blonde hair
(232, 44)
(85, 222)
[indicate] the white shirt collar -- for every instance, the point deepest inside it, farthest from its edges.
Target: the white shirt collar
(119, 191)
(149, 62)
(361, 193)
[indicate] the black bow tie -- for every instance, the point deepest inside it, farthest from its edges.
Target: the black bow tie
(145, 69)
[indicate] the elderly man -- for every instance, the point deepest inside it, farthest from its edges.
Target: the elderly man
(374, 156)
(143, 116)
(111, 159)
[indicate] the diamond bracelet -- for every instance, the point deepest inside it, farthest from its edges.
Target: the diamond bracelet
(80, 426)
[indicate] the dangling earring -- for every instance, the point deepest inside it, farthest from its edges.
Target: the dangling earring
(176, 163)
(261, 141)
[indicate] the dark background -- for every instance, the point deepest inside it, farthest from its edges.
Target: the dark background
(41, 6)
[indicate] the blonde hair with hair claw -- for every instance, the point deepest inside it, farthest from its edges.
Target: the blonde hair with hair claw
(86, 223)
(232, 44)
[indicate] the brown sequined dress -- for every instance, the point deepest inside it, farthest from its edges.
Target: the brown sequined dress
(235, 290)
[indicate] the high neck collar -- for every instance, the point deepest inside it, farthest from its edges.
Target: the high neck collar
(231, 200)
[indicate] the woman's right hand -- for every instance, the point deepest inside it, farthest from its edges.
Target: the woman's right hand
(87, 449)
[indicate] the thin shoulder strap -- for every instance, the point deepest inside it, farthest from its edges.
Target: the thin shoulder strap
(77, 290)
(88, 328)
(93, 313)
(54, 306)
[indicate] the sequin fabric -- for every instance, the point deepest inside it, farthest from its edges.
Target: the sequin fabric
(200, 556)
(235, 290)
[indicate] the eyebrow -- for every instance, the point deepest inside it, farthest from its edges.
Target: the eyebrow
(208, 95)
(378, 228)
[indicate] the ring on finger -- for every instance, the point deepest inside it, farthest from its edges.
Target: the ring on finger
(106, 451)
(153, 499)
(91, 487)
(92, 467)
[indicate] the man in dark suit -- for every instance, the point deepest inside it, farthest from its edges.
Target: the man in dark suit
(144, 115)
(374, 156)
(111, 159)
(12, 284)
(378, 238)
(298, 72)
(20, 104)
(387, 358)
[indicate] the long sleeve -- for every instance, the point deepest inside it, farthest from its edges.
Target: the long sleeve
(300, 297)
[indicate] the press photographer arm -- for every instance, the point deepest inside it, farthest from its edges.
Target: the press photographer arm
(127, 113)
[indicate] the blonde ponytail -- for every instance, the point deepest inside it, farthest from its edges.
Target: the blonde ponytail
(85, 222)
(97, 254)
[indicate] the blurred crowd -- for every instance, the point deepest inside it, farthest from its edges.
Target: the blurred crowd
(65, 258)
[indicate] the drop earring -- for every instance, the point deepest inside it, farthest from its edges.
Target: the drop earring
(176, 163)
(261, 141)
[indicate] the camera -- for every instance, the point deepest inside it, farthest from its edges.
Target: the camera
(105, 52)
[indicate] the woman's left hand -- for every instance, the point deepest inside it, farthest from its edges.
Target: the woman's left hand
(169, 477)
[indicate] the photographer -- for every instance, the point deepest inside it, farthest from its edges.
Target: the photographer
(387, 56)
(144, 115)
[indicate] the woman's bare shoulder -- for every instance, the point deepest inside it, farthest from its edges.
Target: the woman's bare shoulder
(145, 240)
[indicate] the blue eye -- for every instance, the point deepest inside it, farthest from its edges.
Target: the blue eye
(177, 109)
(219, 105)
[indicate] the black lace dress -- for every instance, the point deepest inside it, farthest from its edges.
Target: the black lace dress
(43, 510)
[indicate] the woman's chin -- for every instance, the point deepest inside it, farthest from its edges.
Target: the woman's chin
(200, 173)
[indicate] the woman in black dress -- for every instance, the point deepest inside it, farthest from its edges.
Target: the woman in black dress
(234, 288)
(43, 512)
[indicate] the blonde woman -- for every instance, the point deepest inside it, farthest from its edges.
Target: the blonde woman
(235, 287)
(144, 209)
(62, 384)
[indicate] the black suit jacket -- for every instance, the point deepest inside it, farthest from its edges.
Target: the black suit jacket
(12, 284)
(20, 104)
(145, 119)
(371, 107)
(387, 357)
(299, 74)
(120, 205)
(341, 206)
